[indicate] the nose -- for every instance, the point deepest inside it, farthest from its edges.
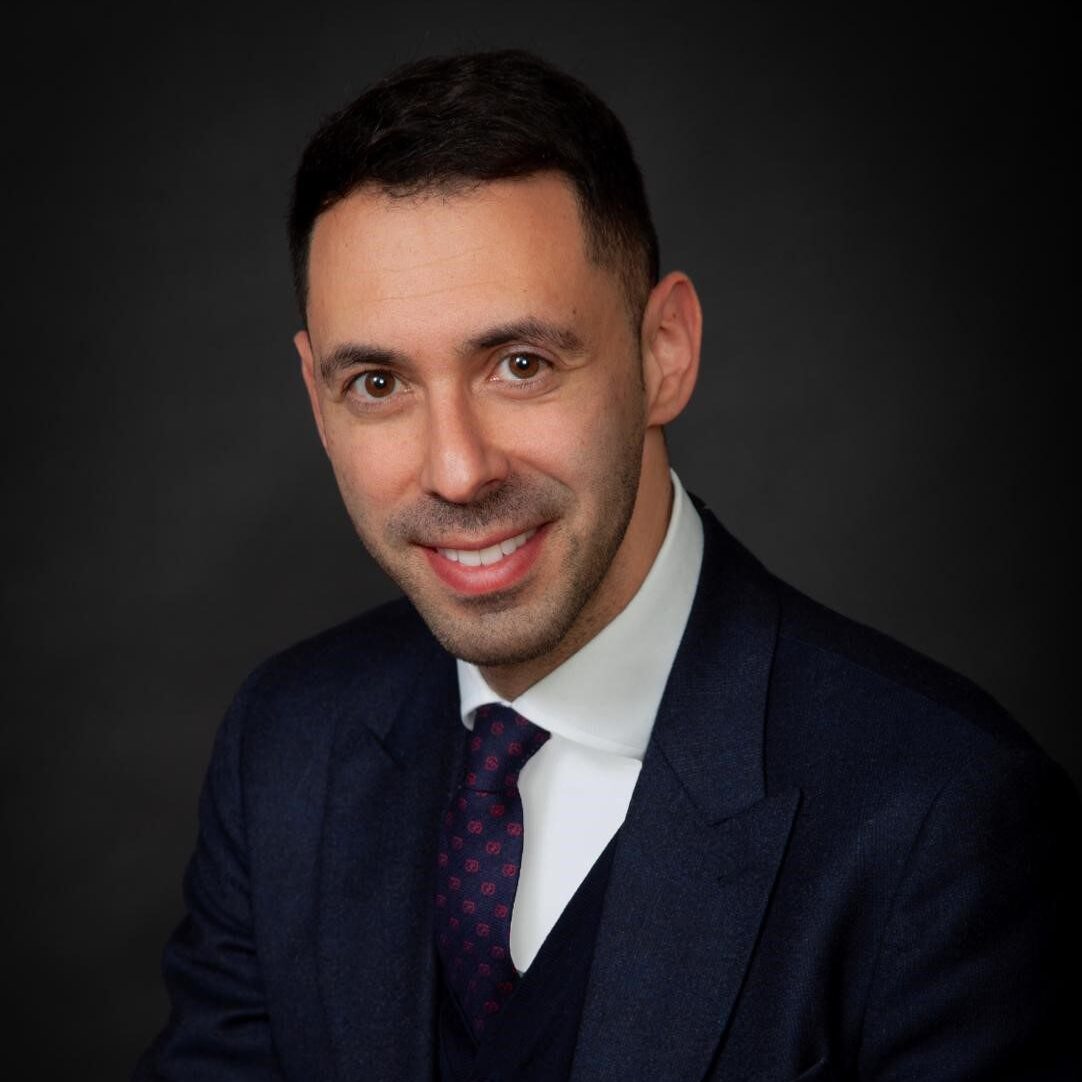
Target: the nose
(461, 462)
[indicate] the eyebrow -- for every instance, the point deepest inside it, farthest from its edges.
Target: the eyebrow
(533, 330)
(352, 355)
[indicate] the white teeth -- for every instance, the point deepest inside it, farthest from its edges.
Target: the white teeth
(487, 556)
(491, 555)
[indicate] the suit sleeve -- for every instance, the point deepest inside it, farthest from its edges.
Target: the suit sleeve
(975, 972)
(218, 1027)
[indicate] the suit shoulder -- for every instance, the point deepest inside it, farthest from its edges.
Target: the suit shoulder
(846, 644)
(373, 642)
(366, 662)
(875, 701)
(882, 740)
(835, 681)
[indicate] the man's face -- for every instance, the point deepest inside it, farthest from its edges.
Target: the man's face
(479, 391)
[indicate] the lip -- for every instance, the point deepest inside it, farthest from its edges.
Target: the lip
(474, 544)
(493, 578)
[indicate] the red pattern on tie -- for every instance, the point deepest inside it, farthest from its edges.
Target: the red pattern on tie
(479, 858)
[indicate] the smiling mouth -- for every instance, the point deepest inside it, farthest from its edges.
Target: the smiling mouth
(486, 557)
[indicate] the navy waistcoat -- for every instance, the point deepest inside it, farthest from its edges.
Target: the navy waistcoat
(534, 1037)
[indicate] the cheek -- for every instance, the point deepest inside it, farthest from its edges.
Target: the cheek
(617, 421)
(371, 469)
(590, 451)
(559, 442)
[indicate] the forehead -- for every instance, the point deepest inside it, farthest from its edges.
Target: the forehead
(439, 260)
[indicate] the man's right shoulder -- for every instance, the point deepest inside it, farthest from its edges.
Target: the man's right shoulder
(362, 669)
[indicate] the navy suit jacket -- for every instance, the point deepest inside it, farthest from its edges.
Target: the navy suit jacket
(840, 861)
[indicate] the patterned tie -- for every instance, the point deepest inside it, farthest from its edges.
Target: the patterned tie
(479, 857)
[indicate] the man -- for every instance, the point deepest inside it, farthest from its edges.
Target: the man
(602, 799)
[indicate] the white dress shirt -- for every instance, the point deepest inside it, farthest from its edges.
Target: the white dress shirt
(599, 706)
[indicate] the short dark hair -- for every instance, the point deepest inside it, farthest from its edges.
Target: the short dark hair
(458, 121)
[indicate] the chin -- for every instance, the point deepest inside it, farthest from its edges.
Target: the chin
(499, 637)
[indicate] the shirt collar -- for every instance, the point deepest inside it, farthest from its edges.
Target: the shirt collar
(606, 696)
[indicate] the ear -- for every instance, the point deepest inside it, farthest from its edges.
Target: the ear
(672, 331)
(308, 373)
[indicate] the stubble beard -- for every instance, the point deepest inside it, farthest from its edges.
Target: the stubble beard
(506, 627)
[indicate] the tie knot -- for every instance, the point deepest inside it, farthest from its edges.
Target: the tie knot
(500, 745)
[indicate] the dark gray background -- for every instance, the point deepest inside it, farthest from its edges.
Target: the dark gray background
(872, 206)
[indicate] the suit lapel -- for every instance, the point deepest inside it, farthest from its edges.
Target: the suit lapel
(701, 845)
(390, 782)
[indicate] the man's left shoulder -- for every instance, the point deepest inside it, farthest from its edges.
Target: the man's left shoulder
(853, 709)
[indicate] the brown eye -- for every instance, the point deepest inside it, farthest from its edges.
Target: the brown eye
(377, 384)
(523, 365)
